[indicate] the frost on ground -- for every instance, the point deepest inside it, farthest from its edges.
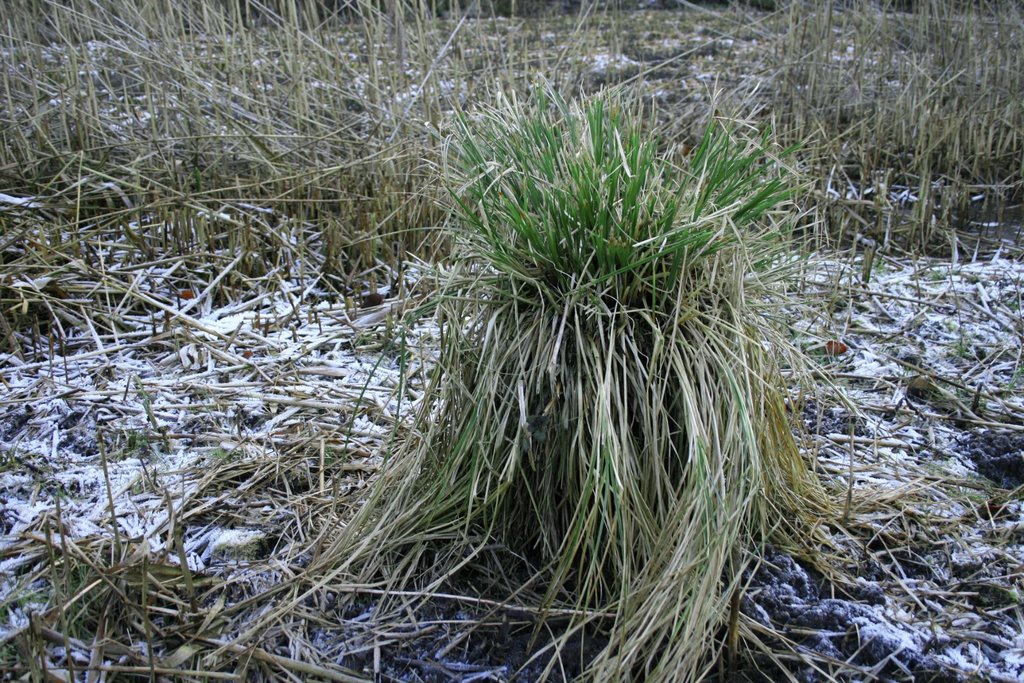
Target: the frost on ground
(924, 429)
(291, 385)
(229, 437)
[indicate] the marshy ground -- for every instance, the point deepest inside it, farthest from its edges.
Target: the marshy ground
(200, 385)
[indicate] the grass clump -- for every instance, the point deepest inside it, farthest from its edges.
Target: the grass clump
(607, 404)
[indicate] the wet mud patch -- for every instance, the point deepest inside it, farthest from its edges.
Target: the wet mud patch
(12, 419)
(998, 456)
(822, 419)
(851, 627)
(448, 640)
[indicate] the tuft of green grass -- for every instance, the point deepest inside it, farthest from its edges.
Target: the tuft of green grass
(608, 406)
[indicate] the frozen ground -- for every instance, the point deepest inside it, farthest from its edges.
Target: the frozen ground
(926, 427)
(197, 426)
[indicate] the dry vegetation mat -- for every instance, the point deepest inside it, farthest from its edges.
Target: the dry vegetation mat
(226, 441)
(216, 335)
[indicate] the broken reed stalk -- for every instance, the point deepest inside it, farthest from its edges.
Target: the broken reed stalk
(607, 406)
(181, 130)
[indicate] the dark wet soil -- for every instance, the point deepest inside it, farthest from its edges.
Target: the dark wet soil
(999, 456)
(824, 621)
(449, 640)
(13, 419)
(819, 419)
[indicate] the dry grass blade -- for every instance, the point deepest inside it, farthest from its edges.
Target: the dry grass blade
(212, 215)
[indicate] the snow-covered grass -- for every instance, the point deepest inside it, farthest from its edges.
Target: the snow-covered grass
(179, 455)
(192, 444)
(922, 418)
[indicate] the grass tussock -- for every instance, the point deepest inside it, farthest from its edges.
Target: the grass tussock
(607, 406)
